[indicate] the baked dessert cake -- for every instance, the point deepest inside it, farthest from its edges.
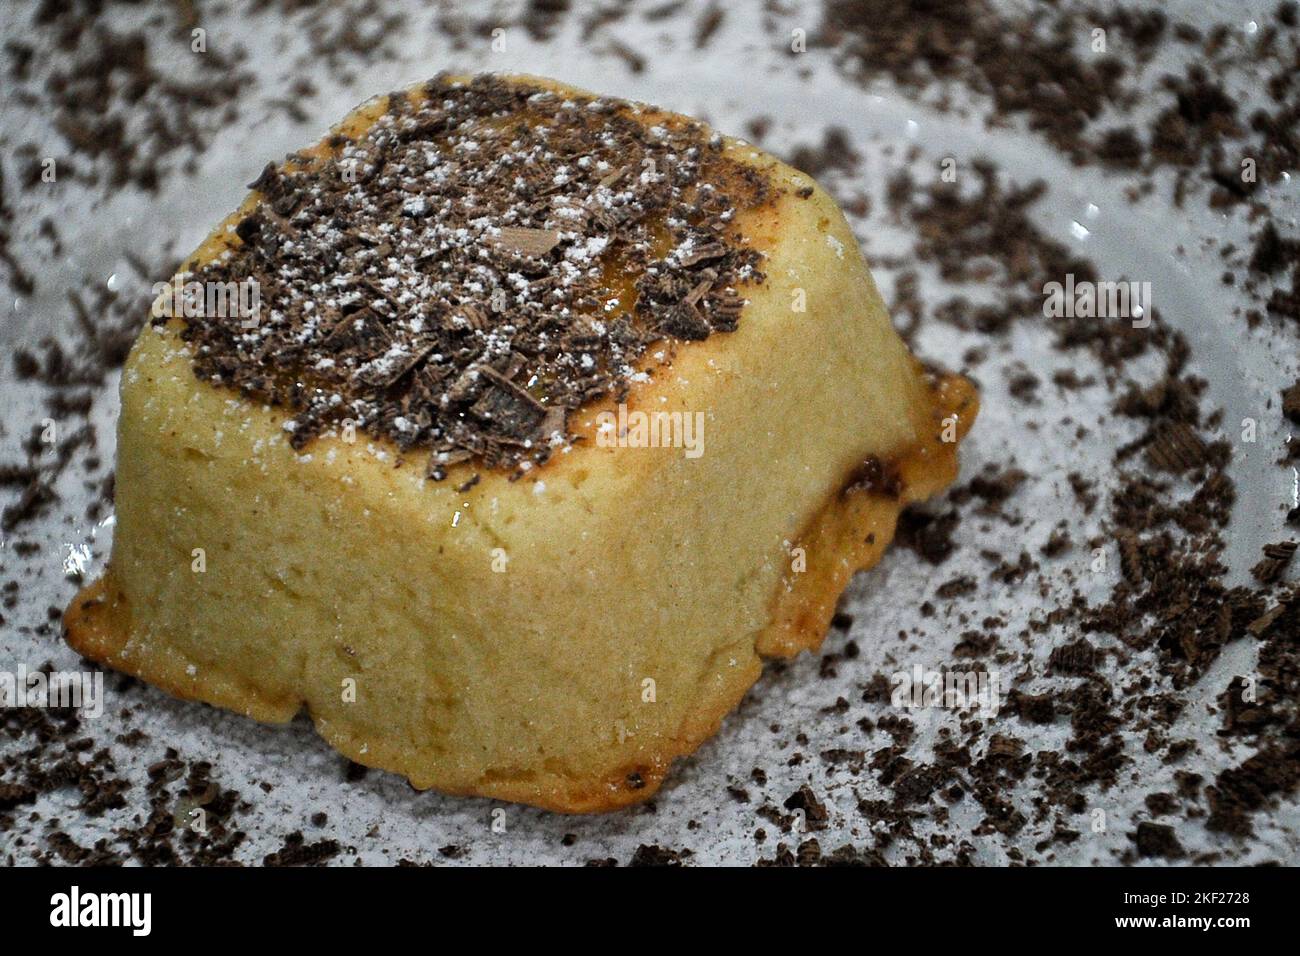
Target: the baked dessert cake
(557, 414)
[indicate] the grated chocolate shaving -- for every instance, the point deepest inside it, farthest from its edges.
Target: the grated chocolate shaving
(527, 242)
(1274, 563)
(486, 258)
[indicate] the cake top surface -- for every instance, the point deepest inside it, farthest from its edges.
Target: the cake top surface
(484, 258)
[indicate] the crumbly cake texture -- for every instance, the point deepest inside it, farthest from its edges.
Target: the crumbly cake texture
(551, 627)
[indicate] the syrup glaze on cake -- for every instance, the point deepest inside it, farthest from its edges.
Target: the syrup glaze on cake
(487, 257)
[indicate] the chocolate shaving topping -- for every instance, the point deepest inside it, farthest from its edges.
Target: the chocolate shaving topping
(527, 242)
(485, 258)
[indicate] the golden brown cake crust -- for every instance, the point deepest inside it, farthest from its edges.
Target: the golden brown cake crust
(849, 534)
